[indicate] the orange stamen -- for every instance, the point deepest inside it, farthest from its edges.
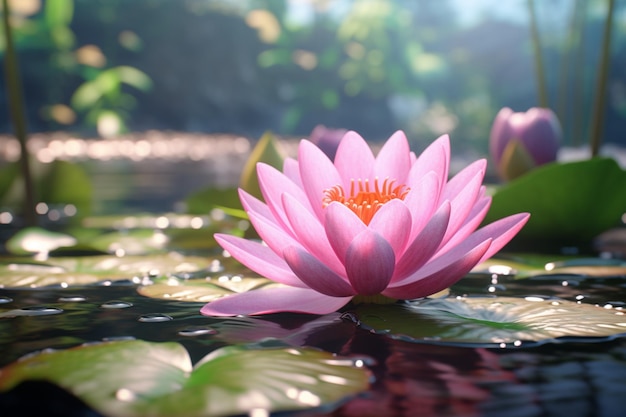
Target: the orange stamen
(363, 200)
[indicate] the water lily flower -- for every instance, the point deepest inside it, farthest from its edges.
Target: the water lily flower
(327, 139)
(521, 141)
(362, 227)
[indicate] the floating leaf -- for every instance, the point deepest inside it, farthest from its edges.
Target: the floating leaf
(138, 378)
(203, 290)
(132, 242)
(35, 240)
(492, 320)
(82, 270)
(526, 265)
(569, 203)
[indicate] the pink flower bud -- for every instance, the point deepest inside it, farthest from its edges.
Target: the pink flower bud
(522, 141)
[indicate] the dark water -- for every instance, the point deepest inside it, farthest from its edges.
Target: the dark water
(565, 377)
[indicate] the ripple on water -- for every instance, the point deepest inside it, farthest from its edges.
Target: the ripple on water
(193, 331)
(154, 318)
(5, 300)
(32, 311)
(72, 299)
(115, 304)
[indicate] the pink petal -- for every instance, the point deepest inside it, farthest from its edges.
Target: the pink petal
(311, 234)
(439, 277)
(393, 222)
(421, 201)
(369, 263)
(342, 226)
(315, 274)
(436, 157)
(422, 248)
(499, 136)
(275, 300)
(438, 262)
(260, 259)
(476, 216)
(271, 234)
(501, 232)
(462, 205)
(273, 184)
(253, 204)
(291, 169)
(354, 158)
(318, 174)
(394, 160)
(458, 183)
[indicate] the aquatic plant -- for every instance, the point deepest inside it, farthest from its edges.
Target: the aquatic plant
(520, 141)
(364, 227)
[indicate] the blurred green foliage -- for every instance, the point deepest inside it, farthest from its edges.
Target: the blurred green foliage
(252, 65)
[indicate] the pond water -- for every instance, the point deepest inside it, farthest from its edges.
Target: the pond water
(413, 373)
(411, 376)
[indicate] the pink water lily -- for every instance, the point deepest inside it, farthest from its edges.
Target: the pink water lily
(362, 226)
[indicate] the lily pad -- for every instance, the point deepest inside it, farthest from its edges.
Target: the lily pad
(488, 320)
(526, 266)
(203, 290)
(83, 270)
(138, 378)
(570, 203)
(35, 240)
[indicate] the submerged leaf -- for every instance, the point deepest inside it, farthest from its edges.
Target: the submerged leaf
(492, 319)
(138, 378)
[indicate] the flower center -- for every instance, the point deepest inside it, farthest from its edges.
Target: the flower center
(365, 199)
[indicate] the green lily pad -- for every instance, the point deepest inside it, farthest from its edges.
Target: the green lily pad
(526, 266)
(35, 240)
(488, 320)
(138, 378)
(83, 270)
(203, 290)
(131, 242)
(570, 203)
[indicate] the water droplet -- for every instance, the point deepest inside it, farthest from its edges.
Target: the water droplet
(155, 318)
(258, 412)
(72, 299)
(303, 397)
(497, 287)
(126, 395)
(5, 300)
(116, 304)
(196, 331)
(36, 311)
(216, 266)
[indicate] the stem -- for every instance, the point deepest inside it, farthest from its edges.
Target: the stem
(597, 122)
(580, 88)
(16, 107)
(572, 39)
(542, 91)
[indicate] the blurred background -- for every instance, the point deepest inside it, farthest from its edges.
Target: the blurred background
(246, 66)
(102, 68)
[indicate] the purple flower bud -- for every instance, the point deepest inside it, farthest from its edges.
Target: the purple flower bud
(524, 139)
(327, 139)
